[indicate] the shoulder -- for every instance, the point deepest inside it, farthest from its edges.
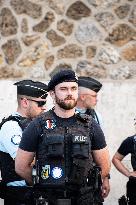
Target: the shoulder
(127, 146)
(10, 125)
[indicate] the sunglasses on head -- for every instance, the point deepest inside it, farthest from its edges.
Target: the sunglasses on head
(39, 103)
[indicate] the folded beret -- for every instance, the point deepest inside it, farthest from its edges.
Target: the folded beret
(32, 88)
(62, 76)
(90, 83)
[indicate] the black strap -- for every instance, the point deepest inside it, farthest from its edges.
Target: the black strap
(13, 118)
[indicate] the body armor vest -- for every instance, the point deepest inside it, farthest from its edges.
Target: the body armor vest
(133, 155)
(7, 164)
(64, 153)
(93, 114)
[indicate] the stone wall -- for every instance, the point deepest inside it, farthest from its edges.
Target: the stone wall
(96, 38)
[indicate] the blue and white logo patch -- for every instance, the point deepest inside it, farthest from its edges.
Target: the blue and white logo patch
(56, 172)
(16, 139)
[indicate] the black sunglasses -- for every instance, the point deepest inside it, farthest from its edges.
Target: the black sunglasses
(39, 103)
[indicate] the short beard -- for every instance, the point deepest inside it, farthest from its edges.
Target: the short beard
(65, 106)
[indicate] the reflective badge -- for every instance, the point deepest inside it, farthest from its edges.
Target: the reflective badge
(50, 124)
(45, 172)
(56, 172)
(16, 139)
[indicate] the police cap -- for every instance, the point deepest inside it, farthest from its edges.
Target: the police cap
(90, 83)
(32, 88)
(62, 76)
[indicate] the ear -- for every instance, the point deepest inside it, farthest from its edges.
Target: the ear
(82, 97)
(25, 102)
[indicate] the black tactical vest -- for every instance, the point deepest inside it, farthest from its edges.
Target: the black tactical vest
(64, 153)
(93, 114)
(133, 155)
(7, 164)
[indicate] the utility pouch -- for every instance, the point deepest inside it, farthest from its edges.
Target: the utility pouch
(80, 147)
(55, 146)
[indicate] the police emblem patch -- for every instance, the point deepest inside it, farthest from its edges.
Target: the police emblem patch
(50, 124)
(45, 172)
(56, 172)
(16, 139)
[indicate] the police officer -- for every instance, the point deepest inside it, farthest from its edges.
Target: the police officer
(31, 98)
(63, 142)
(88, 89)
(128, 146)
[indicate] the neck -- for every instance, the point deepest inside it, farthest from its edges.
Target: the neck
(60, 112)
(80, 105)
(21, 112)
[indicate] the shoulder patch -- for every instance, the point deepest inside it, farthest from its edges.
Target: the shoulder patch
(16, 139)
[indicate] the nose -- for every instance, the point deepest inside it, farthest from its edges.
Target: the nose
(69, 92)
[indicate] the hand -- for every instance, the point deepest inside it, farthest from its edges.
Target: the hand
(132, 174)
(105, 187)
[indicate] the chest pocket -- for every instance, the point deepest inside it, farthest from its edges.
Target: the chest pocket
(80, 147)
(55, 146)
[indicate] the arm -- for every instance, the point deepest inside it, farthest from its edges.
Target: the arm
(117, 161)
(23, 164)
(102, 159)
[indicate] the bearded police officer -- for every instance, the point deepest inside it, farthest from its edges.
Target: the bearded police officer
(88, 89)
(63, 142)
(31, 98)
(128, 146)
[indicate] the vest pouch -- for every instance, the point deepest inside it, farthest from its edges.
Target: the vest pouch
(55, 146)
(80, 147)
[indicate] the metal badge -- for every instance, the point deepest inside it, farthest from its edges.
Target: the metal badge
(50, 124)
(45, 172)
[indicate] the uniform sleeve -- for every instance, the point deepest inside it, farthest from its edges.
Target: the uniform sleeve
(98, 138)
(29, 139)
(10, 137)
(126, 147)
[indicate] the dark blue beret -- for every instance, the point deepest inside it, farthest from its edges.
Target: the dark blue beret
(62, 76)
(32, 88)
(90, 83)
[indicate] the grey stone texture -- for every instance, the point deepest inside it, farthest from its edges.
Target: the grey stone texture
(12, 50)
(8, 22)
(121, 35)
(57, 5)
(78, 10)
(132, 17)
(65, 27)
(45, 23)
(27, 7)
(87, 32)
(38, 36)
(55, 39)
(24, 25)
(70, 51)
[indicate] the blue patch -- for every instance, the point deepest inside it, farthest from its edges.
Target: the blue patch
(16, 139)
(50, 124)
(56, 172)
